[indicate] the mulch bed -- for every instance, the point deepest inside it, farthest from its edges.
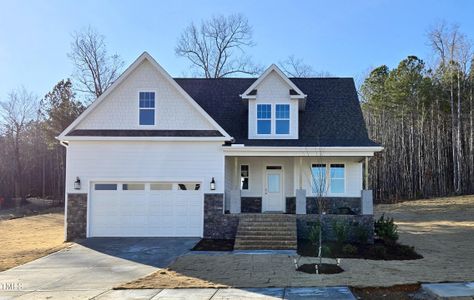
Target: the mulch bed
(377, 251)
(214, 245)
(396, 292)
(322, 269)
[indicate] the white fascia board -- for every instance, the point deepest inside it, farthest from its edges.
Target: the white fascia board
(275, 68)
(128, 71)
(300, 151)
(145, 138)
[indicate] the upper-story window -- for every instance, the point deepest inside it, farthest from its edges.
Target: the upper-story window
(147, 108)
(264, 118)
(282, 122)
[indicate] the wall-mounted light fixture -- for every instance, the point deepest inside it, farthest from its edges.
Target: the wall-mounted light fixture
(77, 184)
(213, 184)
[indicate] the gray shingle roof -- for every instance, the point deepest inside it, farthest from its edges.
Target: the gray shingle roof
(332, 116)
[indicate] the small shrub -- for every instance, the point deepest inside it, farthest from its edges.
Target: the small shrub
(361, 234)
(380, 251)
(341, 230)
(326, 251)
(386, 229)
(314, 232)
(349, 249)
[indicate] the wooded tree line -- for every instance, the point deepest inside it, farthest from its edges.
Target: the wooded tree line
(423, 117)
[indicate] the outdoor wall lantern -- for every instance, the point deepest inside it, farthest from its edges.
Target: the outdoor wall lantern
(213, 184)
(77, 184)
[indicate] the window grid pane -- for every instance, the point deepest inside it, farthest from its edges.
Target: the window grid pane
(264, 111)
(282, 127)
(282, 111)
(264, 126)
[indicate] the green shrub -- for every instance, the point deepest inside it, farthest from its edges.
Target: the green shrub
(341, 230)
(326, 251)
(361, 234)
(349, 249)
(386, 229)
(313, 235)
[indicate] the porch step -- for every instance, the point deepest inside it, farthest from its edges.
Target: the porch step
(266, 231)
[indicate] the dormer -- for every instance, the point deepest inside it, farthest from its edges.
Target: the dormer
(273, 105)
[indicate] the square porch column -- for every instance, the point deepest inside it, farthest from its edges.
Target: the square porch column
(300, 192)
(235, 194)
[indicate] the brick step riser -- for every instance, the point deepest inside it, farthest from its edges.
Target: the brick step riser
(263, 234)
(266, 242)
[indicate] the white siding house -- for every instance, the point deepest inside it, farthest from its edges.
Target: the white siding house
(157, 156)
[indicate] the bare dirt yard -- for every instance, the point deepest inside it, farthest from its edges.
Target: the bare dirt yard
(28, 238)
(442, 230)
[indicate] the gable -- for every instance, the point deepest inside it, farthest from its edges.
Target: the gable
(117, 110)
(273, 86)
(120, 110)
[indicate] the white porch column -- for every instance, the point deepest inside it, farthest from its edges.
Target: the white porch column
(235, 207)
(300, 192)
(366, 197)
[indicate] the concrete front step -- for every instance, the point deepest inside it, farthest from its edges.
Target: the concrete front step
(265, 232)
(265, 238)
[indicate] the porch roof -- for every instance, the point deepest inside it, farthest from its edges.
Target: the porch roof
(241, 150)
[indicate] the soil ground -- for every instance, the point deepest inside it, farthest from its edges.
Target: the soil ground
(441, 230)
(26, 239)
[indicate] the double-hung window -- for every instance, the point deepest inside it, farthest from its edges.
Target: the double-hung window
(264, 118)
(318, 176)
(244, 177)
(337, 179)
(282, 123)
(147, 108)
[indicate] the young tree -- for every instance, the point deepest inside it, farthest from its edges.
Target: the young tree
(95, 69)
(217, 47)
(320, 188)
(16, 114)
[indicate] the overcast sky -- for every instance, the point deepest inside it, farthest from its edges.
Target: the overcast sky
(344, 38)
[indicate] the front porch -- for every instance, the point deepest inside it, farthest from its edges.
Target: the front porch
(285, 185)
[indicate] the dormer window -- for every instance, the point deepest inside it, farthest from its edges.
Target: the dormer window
(264, 119)
(147, 108)
(282, 123)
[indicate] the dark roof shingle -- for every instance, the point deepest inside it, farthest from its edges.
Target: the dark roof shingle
(332, 116)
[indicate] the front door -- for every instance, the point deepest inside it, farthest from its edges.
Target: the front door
(273, 189)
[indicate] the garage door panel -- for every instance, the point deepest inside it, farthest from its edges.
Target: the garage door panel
(146, 213)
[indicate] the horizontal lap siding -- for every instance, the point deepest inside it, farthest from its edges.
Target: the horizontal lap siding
(145, 161)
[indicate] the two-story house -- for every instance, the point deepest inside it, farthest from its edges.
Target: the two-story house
(160, 156)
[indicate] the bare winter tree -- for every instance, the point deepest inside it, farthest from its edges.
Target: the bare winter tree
(296, 67)
(17, 113)
(217, 47)
(95, 69)
(453, 52)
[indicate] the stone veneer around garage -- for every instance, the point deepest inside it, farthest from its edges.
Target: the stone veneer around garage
(76, 219)
(218, 225)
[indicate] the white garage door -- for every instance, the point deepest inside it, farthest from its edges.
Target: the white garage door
(145, 209)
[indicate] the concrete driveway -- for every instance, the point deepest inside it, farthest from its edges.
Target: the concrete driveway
(91, 268)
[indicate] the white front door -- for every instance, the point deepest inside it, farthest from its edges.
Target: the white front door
(273, 189)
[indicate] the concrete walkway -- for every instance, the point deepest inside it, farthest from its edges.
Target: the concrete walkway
(88, 270)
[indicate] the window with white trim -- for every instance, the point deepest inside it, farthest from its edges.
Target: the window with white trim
(282, 122)
(337, 178)
(318, 176)
(147, 108)
(264, 118)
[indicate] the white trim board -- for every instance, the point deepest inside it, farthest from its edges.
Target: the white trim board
(300, 151)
